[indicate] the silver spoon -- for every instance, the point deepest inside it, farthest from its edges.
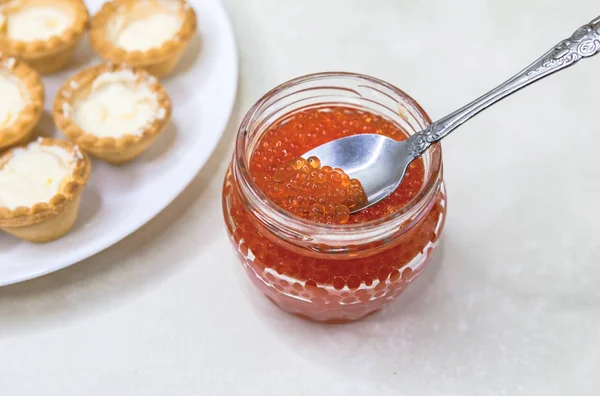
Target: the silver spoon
(380, 163)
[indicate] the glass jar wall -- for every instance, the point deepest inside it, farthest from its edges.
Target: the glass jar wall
(328, 272)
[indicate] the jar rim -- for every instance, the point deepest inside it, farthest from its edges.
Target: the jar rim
(272, 215)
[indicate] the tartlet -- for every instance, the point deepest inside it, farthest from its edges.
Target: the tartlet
(44, 33)
(40, 189)
(112, 111)
(21, 101)
(151, 34)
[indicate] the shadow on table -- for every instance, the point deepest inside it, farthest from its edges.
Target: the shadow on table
(109, 276)
(386, 334)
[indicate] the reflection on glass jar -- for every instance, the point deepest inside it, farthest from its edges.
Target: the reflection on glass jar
(331, 272)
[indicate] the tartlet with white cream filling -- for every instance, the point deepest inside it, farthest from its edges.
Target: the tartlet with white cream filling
(21, 101)
(112, 112)
(151, 34)
(40, 189)
(44, 33)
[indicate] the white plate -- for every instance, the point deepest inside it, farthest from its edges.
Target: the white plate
(118, 201)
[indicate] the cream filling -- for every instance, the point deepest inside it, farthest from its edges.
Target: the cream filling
(34, 174)
(118, 104)
(35, 21)
(12, 98)
(148, 25)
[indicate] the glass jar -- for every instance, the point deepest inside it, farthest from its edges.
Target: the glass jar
(341, 272)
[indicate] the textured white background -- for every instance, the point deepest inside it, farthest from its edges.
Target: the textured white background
(509, 306)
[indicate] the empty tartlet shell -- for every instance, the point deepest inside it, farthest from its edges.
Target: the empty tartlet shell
(113, 150)
(50, 220)
(158, 61)
(20, 130)
(52, 55)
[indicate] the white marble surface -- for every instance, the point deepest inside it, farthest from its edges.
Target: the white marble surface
(510, 305)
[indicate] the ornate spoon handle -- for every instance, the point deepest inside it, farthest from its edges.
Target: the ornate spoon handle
(584, 43)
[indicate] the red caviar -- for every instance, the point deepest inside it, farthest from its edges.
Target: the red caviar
(278, 171)
(320, 194)
(305, 281)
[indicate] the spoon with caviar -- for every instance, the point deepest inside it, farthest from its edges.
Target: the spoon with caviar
(379, 163)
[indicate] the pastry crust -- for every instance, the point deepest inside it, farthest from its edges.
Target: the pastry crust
(159, 61)
(50, 220)
(114, 150)
(52, 55)
(22, 126)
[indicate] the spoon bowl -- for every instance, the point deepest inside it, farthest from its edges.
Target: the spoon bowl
(377, 161)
